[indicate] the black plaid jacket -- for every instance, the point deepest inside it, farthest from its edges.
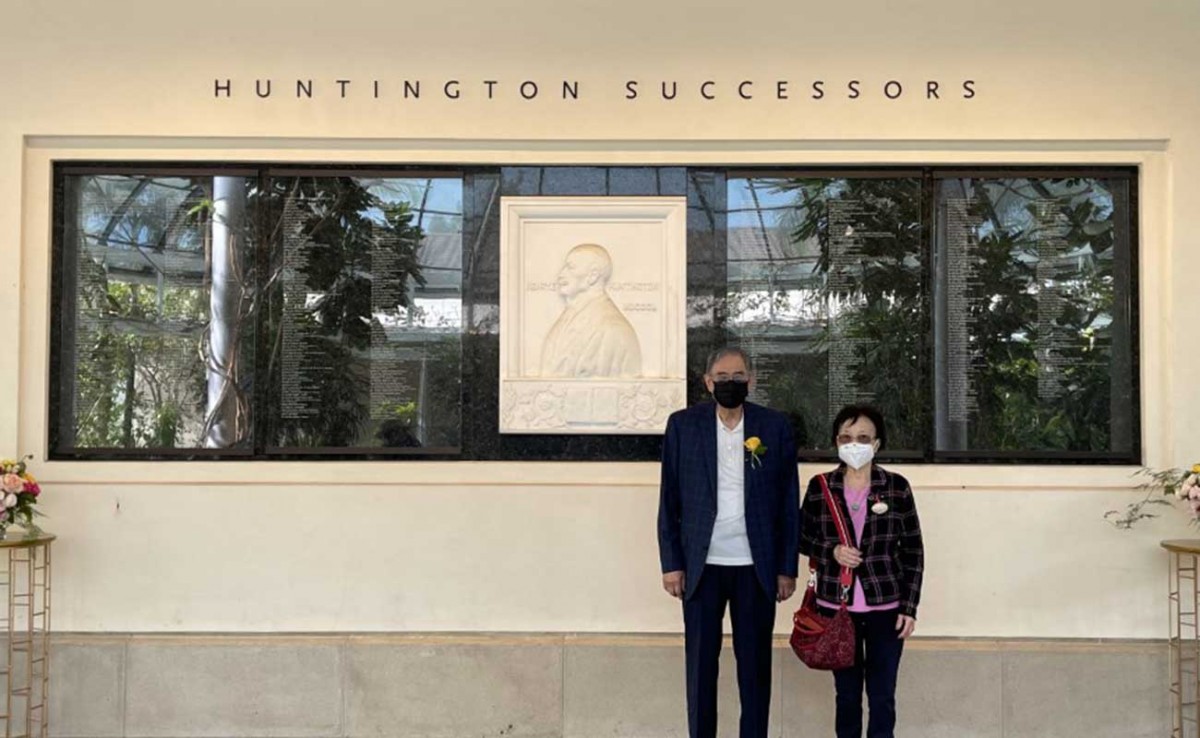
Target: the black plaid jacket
(893, 554)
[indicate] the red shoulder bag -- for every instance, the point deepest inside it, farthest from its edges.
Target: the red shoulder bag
(821, 642)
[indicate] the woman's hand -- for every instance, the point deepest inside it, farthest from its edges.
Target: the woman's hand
(905, 625)
(847, 556)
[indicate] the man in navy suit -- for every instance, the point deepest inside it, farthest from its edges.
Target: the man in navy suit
(729, 533)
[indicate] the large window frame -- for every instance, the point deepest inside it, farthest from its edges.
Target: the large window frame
(640, 451)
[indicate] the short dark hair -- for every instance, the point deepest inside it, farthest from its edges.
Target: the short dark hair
(852, 413)
(724, 351)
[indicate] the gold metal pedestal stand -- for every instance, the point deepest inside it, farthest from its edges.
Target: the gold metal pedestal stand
(1184, 640)
(26, 626)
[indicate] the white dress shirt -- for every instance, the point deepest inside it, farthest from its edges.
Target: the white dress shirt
(730, 545)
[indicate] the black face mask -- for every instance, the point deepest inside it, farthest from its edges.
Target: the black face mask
(730, 394)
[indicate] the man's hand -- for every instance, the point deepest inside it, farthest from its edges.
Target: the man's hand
(673, 583)
(847, 557)
(905, 625)
(785, 587)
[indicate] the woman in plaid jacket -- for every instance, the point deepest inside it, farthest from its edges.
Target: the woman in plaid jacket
(886, 556)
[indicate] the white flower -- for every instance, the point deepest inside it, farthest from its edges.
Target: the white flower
(879, 508)
(10, 501)
(1181, 491)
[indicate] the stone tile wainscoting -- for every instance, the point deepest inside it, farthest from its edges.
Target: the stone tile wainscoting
(585, 686)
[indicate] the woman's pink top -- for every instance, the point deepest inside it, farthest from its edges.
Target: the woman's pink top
(858, 520)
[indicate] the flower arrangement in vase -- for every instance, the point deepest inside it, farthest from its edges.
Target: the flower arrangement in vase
(20, 494)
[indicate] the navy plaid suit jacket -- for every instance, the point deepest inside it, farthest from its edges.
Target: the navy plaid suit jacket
(687, 507)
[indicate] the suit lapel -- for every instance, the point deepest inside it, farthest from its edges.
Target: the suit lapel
(709, 447)
(752, 471)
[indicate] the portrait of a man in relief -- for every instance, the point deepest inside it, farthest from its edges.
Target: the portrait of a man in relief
(592, 337)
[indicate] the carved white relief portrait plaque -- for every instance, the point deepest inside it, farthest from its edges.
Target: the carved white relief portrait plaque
(592, 326)
(591, 337)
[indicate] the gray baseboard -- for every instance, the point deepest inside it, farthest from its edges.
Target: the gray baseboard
(573, 686)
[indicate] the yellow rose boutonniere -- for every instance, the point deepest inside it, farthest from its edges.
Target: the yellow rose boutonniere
(755, 446)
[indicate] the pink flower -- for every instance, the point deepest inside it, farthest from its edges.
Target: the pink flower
(33, 488)
(12, 483)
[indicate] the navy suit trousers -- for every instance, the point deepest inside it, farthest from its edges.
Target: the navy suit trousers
(753, 613)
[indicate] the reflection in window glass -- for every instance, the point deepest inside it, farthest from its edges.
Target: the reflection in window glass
(827, 291)
(255, 311)
(366, 328)
(1033, 316)
(155, 304)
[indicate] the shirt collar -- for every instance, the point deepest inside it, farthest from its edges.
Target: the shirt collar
(741, 424)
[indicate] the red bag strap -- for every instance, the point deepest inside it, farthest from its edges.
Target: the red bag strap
(846, 579)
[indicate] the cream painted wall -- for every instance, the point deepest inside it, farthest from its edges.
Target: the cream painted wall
(1013, 551)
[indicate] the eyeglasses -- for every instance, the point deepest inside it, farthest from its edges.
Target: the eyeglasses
(862, 438)
(736, 377)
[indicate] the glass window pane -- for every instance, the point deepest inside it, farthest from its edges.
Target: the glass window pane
(827, 290)
(155, 298)
(993, 318)
(366, 321)
(1034, 308)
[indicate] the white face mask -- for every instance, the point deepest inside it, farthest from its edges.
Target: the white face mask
(856, 455)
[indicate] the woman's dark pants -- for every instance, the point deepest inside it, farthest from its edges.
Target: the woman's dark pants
(876, 667)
